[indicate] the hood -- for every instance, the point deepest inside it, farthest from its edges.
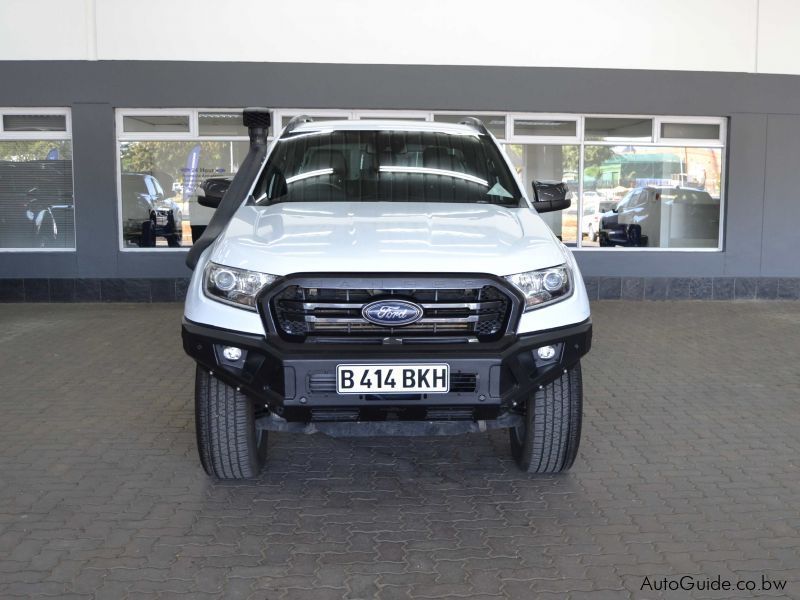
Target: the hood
(383, 237)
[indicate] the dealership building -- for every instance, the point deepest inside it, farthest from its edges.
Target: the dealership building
(677, 119)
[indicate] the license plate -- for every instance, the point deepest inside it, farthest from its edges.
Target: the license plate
(392, 379)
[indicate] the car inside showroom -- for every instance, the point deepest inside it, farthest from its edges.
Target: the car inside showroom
(361, 300)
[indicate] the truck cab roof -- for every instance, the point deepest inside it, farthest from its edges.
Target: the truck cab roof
(385, 125)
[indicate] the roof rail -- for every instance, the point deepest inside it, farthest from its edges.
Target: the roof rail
(476, 124)
(296, 122)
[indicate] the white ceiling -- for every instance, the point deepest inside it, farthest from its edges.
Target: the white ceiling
(698, 35)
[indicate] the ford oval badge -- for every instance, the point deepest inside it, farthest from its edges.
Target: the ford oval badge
(392, 313)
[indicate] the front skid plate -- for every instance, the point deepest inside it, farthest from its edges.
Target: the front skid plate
(273, 422)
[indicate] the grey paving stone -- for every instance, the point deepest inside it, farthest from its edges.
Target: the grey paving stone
(62, 290)
(690, 288)
(609, 288)
(181, 285)
(37, 290)
(655, 288)
(789, 288)
(632, 288)
(745, 288)
(87, 290)
(162, 290)
(723, 288)
(687, 466)
(767, 288)
(12, 290)
(592, 287)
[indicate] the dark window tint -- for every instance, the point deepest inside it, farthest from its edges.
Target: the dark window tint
(388, 166)
(34, 123)
(545, 128)
(215, 123)
(690, 131)
(612, 128)
(155, 123)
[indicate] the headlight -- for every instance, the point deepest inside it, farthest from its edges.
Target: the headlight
(235, 286)
(543, 286)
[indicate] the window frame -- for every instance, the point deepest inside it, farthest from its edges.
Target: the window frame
(621, 141)
(465, 114)
(692, 142)
(380, 115)
(170, 136)
(278, 114)
(33, 136)
(550, 140)
(36, 135)
(580, 141)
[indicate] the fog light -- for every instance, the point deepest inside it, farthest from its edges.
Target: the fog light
(546, 352)
(232, 353)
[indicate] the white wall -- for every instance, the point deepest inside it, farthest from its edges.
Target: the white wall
(713, 35)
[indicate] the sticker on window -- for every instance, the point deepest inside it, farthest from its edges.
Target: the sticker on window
(498, 190)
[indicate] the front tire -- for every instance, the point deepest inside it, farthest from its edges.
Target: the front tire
(548, 440)
(229, 444)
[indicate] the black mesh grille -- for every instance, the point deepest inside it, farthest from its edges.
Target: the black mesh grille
(332, 314)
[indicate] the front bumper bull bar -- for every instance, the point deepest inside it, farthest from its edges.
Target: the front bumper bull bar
(296, 382)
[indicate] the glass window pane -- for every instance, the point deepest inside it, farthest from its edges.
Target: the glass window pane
(387, 166)
(155, 123)
(286, 118)
(216, 123)
(34, 122)
(690, 131)
(494, 123)
(388, 117)
(545, 128)
(159, 188)
(654, 197)
(605, 129)
(36, 199)
(550, 163)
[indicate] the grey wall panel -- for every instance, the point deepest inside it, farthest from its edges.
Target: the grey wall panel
(781, 236)
(95, 89)
(166, 83)
(166, 263)
(627, 262)
(94, 167)
(744, 193)
(38, 264)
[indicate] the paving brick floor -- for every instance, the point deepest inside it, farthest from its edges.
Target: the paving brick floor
(690, 465)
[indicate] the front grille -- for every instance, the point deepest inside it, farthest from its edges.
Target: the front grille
(322, 383)
(330, 314)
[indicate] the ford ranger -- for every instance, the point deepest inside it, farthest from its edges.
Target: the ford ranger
(383, 278)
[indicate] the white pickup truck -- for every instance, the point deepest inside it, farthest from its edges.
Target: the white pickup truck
(383, 278)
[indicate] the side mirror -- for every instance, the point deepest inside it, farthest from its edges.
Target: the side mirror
(549, 196)
(210, 193)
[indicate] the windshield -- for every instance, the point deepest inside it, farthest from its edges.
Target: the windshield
(386, 166)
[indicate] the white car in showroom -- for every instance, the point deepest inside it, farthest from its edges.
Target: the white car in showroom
(594, 206)
(384, 278)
